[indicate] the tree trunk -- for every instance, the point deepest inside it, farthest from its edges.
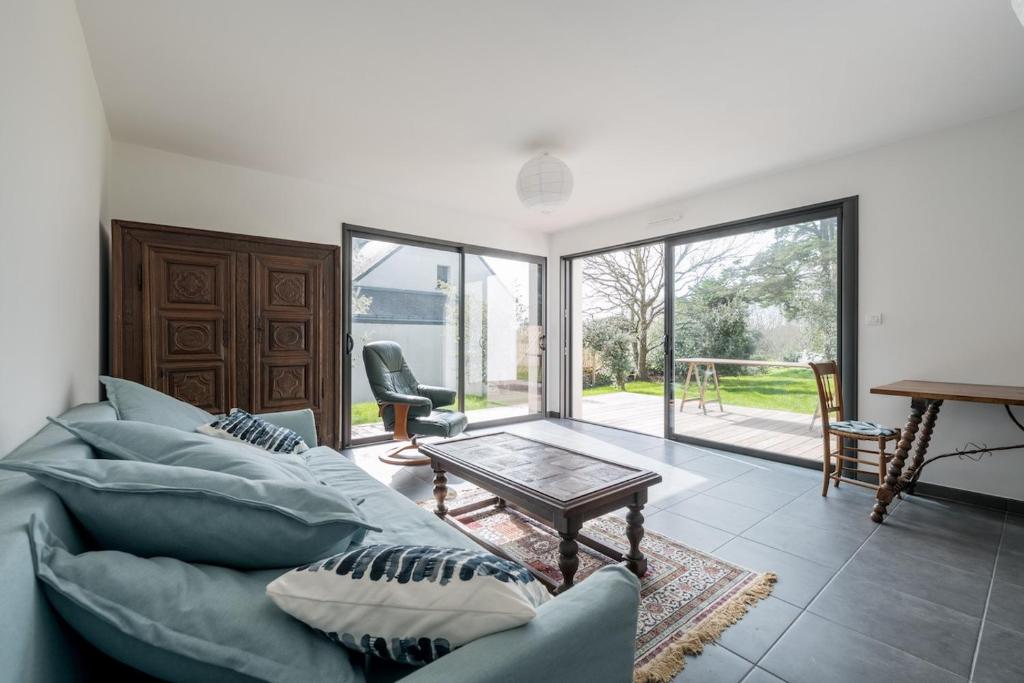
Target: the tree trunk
(620, 380)
(642, 351)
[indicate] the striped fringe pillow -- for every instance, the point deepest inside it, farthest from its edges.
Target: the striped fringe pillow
(409, 603)
(255, 431)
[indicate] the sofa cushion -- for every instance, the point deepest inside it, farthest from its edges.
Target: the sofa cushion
(409, 603)
(145, 442)
(201, 516)
(182, 622)
(134, 401)
(247, 428)
(403, 522)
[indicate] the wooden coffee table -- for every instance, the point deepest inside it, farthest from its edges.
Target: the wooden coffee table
(556, 486)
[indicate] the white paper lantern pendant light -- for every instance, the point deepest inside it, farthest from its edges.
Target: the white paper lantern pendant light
(544, 183)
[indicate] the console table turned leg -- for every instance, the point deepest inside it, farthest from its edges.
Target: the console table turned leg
(923, 439)
(890, 487)
(440, 492)
(635, 560)
(568, 560)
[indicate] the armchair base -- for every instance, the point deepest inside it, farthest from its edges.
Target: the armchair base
(392, 457)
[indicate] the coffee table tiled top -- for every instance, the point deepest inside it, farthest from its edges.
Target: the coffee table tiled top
(556, 472)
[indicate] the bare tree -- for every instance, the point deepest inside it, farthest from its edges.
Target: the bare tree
(631, 283)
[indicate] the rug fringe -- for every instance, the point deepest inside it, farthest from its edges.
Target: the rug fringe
(671, 660)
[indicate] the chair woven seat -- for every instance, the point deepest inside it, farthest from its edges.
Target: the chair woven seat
(861, 427)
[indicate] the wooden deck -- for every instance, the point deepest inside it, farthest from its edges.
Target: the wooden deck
(768, 430)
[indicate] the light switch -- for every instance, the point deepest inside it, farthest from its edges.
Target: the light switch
(873, 319)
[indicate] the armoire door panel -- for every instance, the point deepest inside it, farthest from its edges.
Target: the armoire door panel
(288, 284)
(201, 386)
(287, 385)
(287, 336)
(287, 305)
(189, 315)
(192, 339)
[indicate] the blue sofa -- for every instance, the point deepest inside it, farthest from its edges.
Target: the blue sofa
(586, 634)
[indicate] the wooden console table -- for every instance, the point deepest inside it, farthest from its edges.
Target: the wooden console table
(925, 400)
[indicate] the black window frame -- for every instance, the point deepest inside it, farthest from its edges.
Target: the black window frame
(348, 233)
(845, 210)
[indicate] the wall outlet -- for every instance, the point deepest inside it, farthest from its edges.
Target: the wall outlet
(873, 319)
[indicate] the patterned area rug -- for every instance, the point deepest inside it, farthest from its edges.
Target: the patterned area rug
(687, 598)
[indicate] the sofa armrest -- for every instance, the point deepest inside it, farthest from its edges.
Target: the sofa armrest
(586, 634)
(301, 422)
(439, 396)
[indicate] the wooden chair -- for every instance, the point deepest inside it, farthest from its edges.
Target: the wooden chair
(830, 399)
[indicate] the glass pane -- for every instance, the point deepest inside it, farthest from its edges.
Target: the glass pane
(503, 338)
(750, 312)
(618, 354)
(409, 295)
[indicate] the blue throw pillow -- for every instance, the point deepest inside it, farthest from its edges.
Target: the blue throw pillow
(409, 603)
(129, 440)
(182, 622)
(134, 401)
(201, 516)
(245, 427)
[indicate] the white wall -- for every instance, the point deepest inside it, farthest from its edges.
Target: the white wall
(154, 186)
(53, 151)
(941, 256)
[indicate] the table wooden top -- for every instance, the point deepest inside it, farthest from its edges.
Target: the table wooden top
(536, 467)
(953, 391)
(740, 361)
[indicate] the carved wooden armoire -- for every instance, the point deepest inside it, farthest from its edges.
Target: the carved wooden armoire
(223, 320)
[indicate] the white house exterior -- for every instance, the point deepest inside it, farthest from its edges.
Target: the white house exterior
(408, 295)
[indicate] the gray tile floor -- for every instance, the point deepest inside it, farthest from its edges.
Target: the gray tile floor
(935, 594)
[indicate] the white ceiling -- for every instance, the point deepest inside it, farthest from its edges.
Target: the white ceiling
(444, 100)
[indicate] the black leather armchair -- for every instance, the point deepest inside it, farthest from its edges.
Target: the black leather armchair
(409, 409)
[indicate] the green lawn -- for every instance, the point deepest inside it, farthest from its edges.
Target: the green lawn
(366, 413)
(789, 389)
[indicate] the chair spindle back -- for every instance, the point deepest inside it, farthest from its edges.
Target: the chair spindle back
(830, 394)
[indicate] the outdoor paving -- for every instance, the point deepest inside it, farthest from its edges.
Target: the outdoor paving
(932, 596)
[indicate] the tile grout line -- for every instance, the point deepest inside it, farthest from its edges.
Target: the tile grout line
(848, 561)
(988, 599)
(804, 610)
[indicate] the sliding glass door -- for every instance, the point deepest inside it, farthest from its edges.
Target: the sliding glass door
(504, 338)
(706, 336)
(407, 294)
(618, 349)
(465, 318)
(749, 311)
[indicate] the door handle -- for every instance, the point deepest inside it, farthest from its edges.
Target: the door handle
(350, 343)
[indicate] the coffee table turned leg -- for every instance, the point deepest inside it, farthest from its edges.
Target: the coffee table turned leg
(440, 492)
(568, 560)
(635, 560)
